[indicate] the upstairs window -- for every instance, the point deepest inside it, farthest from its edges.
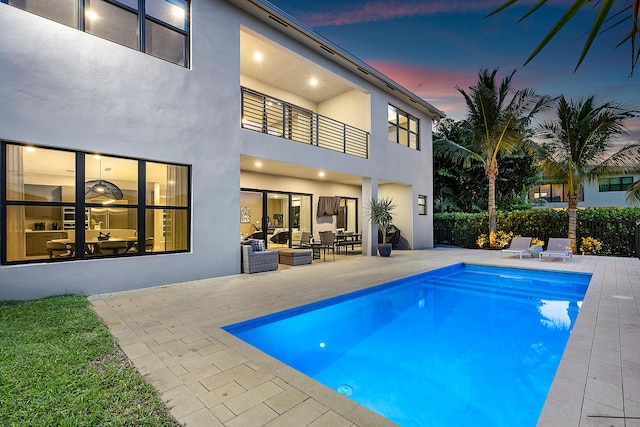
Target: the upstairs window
(157, 27)
(618, 183)
(403, 128)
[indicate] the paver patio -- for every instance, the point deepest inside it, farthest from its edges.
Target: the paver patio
(210, 378)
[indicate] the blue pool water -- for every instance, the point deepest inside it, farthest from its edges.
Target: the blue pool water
(464, 345)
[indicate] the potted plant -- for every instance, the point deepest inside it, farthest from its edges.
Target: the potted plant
(536, 247)
(380, 215)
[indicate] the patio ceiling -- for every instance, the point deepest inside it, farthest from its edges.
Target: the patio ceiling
(283, 69)
(272, 167)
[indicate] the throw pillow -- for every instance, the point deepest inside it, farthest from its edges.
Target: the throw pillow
(257, 245)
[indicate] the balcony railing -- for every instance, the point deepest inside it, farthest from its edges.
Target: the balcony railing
(263, 113)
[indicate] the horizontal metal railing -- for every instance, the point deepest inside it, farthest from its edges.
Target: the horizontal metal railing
(263, 113)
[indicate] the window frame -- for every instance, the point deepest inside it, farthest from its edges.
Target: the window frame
(614, 183)
(80, 205)
(422, 204)
(403, 132)
(142, 17)
(536, 190)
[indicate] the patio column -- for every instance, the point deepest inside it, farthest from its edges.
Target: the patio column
(369, 231)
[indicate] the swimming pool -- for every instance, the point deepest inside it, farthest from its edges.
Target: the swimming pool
(462, 345)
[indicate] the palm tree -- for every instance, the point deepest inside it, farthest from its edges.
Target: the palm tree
(579, 146)
(498, 124)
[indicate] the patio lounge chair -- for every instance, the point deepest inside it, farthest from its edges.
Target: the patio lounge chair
(518, 246)
(557, 248)
(257, 261)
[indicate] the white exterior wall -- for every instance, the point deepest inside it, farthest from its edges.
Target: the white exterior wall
(594, 198)
(60, 87)
(351, 107)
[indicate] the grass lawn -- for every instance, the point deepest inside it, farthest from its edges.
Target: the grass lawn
(60, 366)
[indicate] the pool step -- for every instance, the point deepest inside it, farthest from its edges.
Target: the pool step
(528, 288)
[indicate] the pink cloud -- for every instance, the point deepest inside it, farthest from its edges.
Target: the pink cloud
(433, 85)
(388, 10)
(633, 126)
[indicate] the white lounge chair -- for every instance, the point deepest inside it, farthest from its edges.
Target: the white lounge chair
(518, 246)
(557, 248)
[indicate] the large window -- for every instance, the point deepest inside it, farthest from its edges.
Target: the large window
(551, 193)
(618, 183)
(64, 205)
(403, 128)
(157, 27)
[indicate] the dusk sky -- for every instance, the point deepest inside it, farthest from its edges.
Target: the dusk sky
(430, 46)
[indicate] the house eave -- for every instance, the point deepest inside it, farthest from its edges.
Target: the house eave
(279, 19)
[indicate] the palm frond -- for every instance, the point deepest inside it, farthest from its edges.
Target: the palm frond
(503, 7)
(626, 160)
(456, 153)
(573, 9)
(635, 30)
(605, 7)
(633, 193)
(630, 7)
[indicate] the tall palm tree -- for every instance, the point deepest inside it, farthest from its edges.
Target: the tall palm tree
(579, 146)
(499, 120)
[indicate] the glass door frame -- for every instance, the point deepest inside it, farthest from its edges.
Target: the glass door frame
(265, 220)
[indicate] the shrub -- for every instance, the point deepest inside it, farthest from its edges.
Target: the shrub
(536, 242)
(590, 245)
(613, 227)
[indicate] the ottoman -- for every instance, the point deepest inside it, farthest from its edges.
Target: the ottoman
(295, 256)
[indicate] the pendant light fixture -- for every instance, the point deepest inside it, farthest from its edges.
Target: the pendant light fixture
(102, 188)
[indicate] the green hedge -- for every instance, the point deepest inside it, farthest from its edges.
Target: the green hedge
(615, 228)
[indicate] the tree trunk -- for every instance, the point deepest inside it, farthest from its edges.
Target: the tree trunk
(492, 206)
(573, 205)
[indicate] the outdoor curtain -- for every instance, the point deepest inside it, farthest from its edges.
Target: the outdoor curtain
(328, 205)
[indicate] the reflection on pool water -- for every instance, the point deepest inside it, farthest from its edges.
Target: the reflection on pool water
(463, 345)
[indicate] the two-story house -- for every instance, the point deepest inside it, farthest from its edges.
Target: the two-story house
(178, 128)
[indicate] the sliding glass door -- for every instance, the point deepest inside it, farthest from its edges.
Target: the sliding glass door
(279, 218)
(347, 218)
(251, 215)
(278, 227)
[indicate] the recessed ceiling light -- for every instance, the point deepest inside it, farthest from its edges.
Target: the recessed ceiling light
(30, 149)
(91, 15)
(321, 174)
(258, 164)
(313, 81)
(96, 156)
(257, 57)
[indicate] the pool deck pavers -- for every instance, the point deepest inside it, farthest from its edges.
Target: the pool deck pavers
(210, 378)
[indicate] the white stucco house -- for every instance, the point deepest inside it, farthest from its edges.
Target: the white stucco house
(178, 128)
(609, 191)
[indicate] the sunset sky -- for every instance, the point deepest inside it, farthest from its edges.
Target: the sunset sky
(431, 46)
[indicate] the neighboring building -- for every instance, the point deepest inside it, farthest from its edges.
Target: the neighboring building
(608, 192)
(179, 128)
